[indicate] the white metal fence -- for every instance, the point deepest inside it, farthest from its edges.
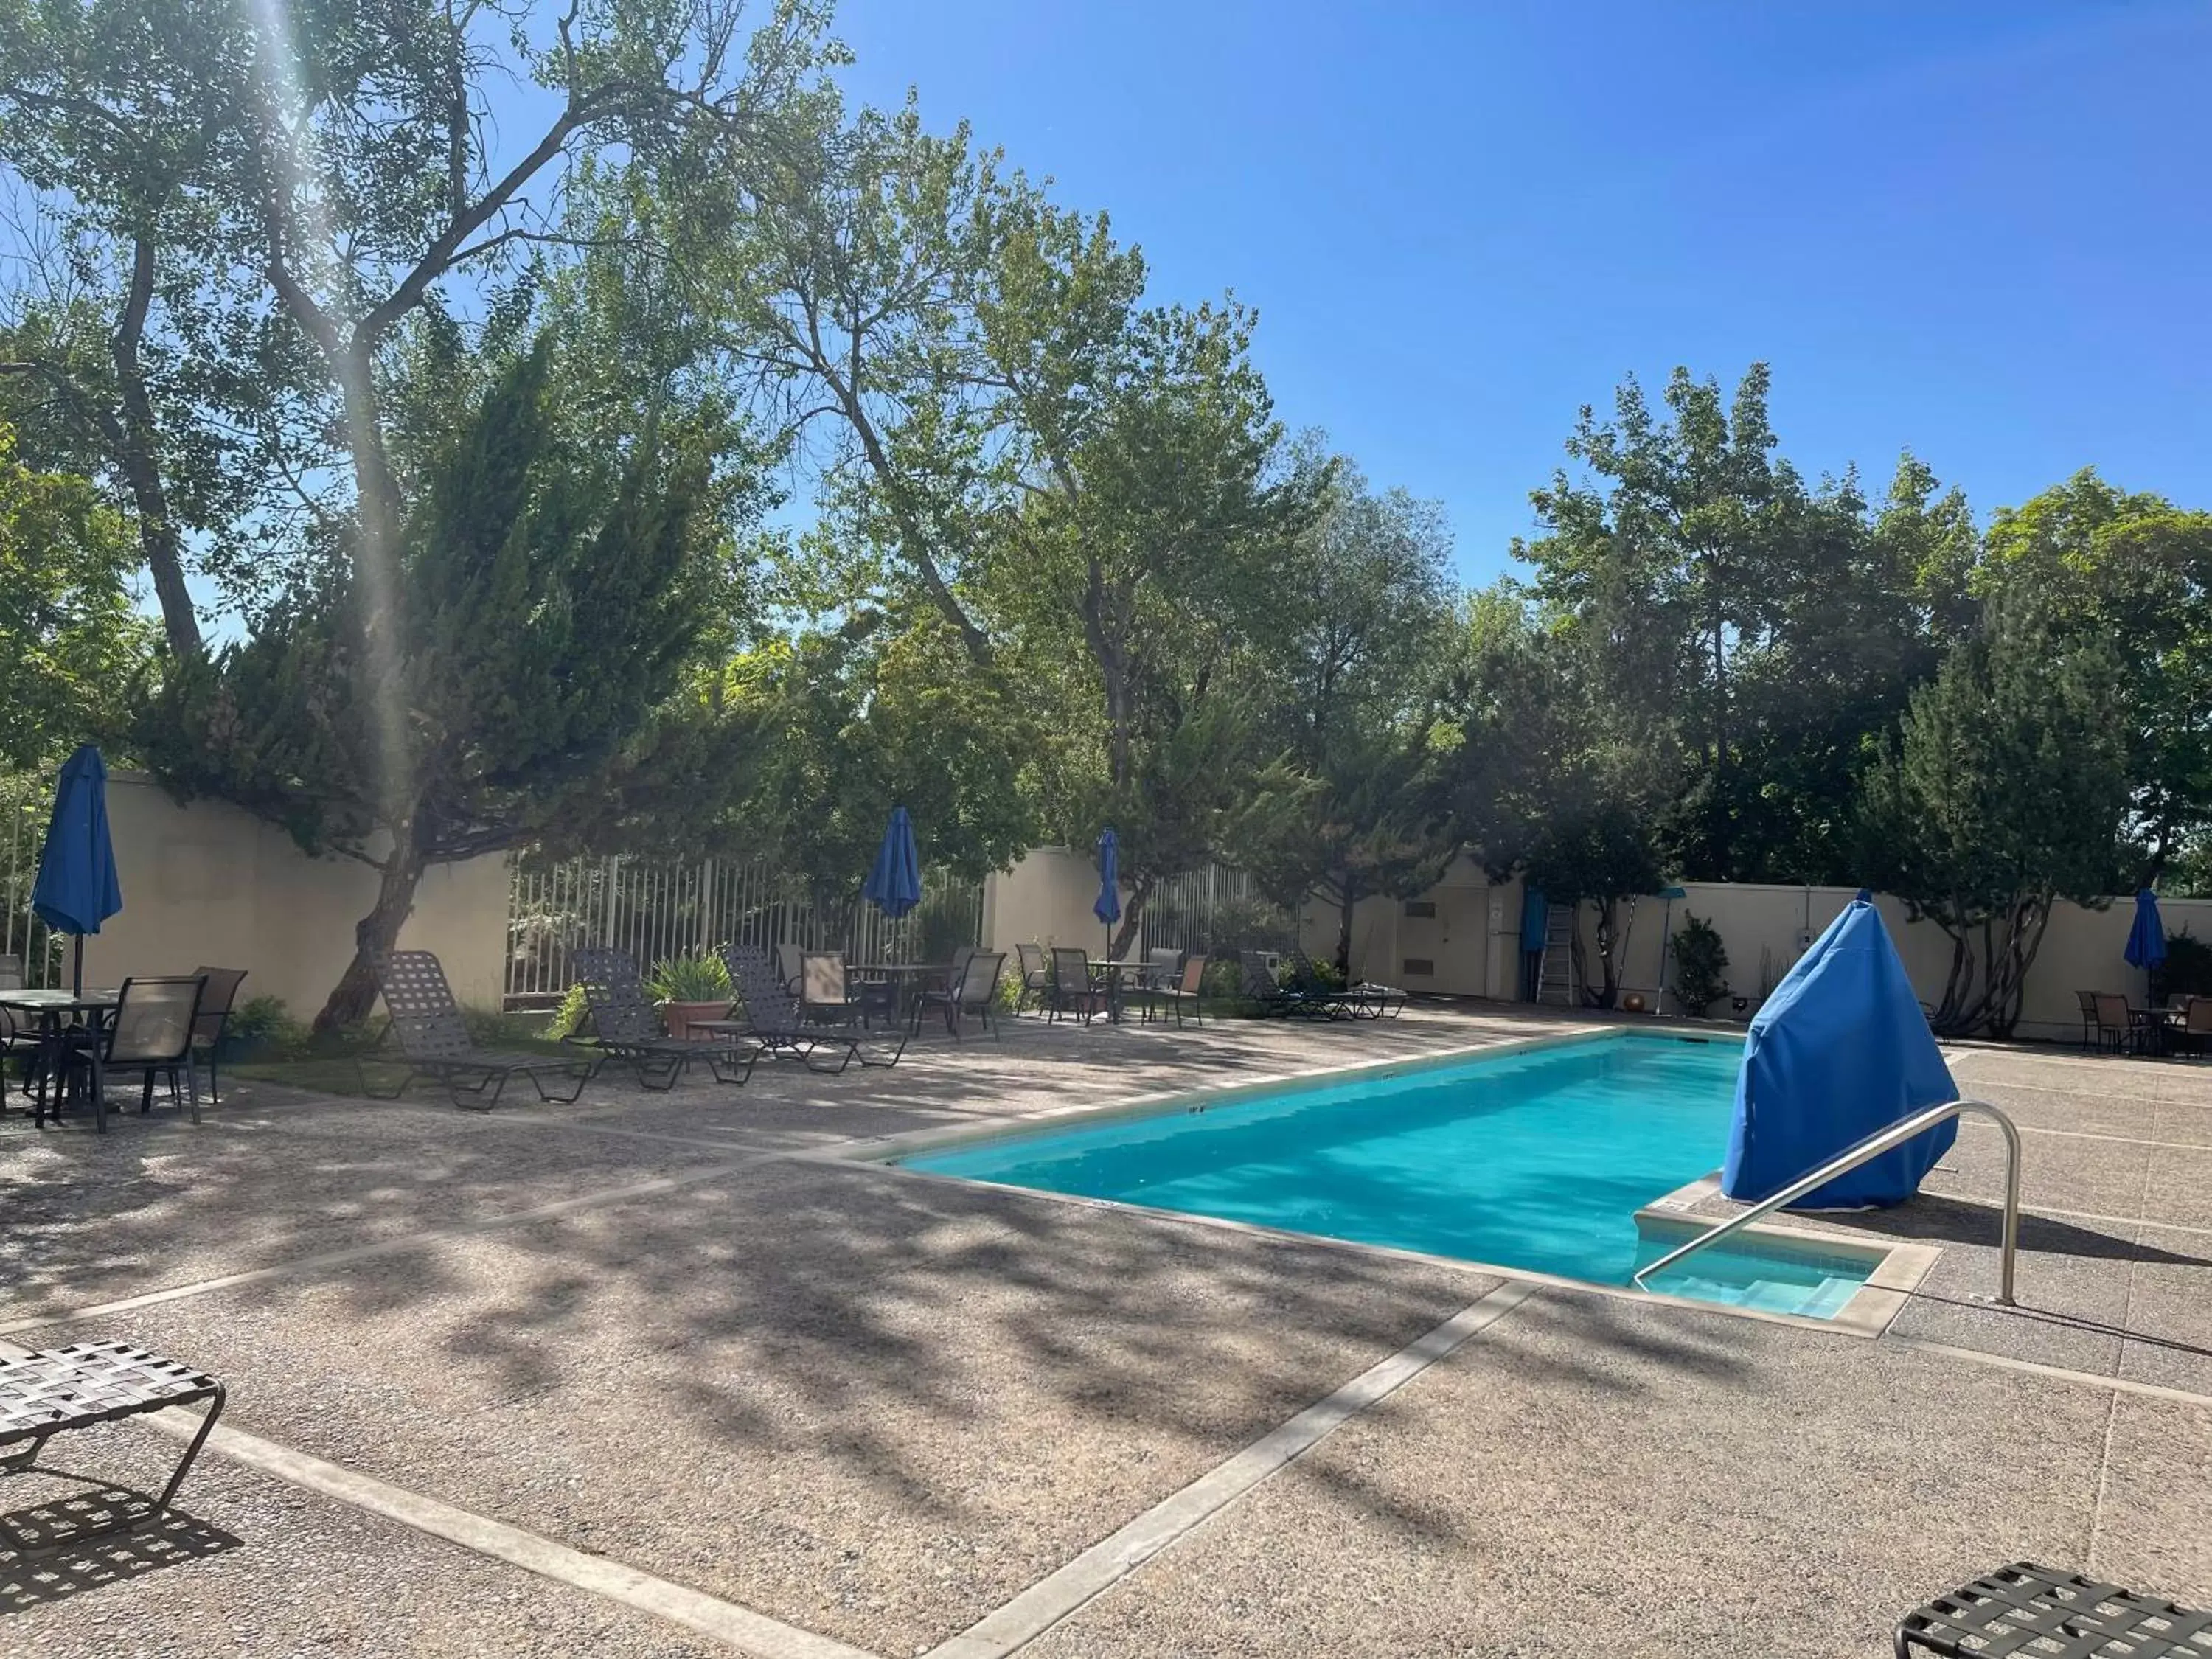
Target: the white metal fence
(1218, 907)
(25, 802)
(653, 910)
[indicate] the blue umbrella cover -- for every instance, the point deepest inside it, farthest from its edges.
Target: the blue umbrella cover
(1107, 909)
(77, 889)
(2147, 938)
(894, 885)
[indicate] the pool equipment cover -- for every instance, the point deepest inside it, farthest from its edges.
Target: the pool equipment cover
(1840, 1051)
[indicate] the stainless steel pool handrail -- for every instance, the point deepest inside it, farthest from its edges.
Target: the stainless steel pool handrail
(1875, 1145)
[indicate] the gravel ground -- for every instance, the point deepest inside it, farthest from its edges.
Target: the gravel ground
(878, 1406)
(1590, 1476)
(252, 1568)
(865, 1404)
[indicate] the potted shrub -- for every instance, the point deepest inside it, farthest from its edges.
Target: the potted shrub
(692, 986)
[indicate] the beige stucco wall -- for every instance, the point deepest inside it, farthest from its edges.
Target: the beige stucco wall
(1045, 899)
(209, 883)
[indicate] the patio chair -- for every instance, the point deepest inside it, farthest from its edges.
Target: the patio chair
(775, 1019)
(2192, 1032)
(626, 1027)
(974, 990)
(215, 1004)
(150, 1032)
(15, 1038)
(2087, 1000)
(1162, 967)
(1179, 992)
(788, 964)
(1035, 989)
(825, 994)
(2028, 1609)
(434, 1042)
(2115, 1023)
(1073, 993)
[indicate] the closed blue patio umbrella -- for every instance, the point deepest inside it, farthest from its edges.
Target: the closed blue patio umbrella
(77, 889)
(894, 886)
(1107, 909)
(2147, 938)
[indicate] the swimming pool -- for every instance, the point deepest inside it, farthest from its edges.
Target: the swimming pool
(1539, 1159)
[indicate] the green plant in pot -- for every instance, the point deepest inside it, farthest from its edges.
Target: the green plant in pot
(1700, 965)
(691, 987)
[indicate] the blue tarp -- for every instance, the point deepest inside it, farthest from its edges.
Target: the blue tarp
(894, 886)
(1534, 913)
(1839, 1051)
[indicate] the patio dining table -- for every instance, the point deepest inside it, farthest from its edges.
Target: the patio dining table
(60, 1015)
(1112, 977)
(899, 980)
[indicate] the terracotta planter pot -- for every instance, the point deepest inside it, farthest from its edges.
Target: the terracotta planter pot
(680, 1014)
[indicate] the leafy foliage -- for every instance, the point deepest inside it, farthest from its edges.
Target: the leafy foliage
(2005, 792)
(545, 604)
(1700, 964)
(72, 646)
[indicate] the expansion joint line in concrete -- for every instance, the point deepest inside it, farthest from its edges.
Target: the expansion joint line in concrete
(1106, 1563)
(724, 1621)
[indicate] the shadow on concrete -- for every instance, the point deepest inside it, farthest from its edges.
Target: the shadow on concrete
(73, 1568)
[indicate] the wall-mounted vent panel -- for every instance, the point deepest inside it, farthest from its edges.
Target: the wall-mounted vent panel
(1420, 968)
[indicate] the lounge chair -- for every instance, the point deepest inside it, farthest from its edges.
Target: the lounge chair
(2025, 1609)
(775, 1019)
(216, 1002)
(1364, 999)
(973, 990)
(1274, 998)
(1035, 988)
(626, 1027)
(434, 1042)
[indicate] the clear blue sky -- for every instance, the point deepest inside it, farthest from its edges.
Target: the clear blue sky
(1981, 231)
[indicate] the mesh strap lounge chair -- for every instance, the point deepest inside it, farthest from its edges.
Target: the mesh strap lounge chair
(216, 1001)
(1306, 996)
(625, 1027)
(81, 1386)
(775, 1019)
(434, 1042)
(2025, 1609)
(1362, 1001)
(973, 990)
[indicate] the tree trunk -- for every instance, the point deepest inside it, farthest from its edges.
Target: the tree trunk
(1132, 914)
(1344, 932)
(375, 934)
(139, 459)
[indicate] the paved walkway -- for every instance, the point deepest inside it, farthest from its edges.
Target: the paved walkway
(649, 1375)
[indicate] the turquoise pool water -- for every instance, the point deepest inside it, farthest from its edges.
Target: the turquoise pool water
(1537, 1159)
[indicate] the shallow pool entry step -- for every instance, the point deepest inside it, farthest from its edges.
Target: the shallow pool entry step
(1538, 1158)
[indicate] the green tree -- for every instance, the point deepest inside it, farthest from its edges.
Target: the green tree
(2134, 572)
(252, 206)
(2004, 792)
(854, 721)
(1765, 629)
(1551, 781)
(72, 644)
(547, 599)
(1358, 806)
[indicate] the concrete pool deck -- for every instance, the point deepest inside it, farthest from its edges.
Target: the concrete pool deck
(650, 1375)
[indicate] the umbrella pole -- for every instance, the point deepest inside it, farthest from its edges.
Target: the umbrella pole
(76, 974)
